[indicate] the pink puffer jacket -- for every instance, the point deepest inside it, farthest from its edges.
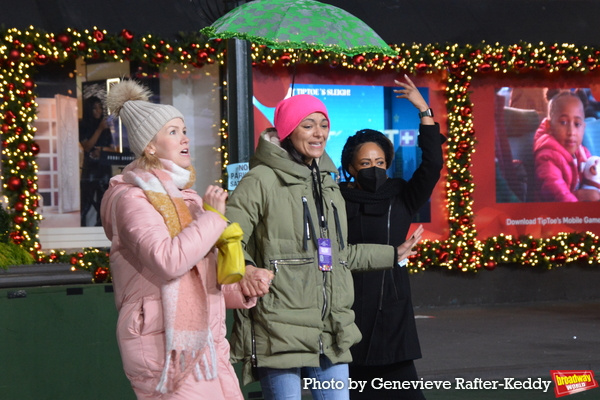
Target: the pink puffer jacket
(556, 170)
(143, 256)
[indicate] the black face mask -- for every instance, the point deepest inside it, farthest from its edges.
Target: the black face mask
(371, 179)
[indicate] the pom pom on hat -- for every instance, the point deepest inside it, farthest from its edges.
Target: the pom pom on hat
(143, 119)
(291, 111)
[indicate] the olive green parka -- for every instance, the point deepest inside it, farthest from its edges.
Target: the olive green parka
(307, 312)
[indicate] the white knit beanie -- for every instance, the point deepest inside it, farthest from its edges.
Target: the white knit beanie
(143, 119)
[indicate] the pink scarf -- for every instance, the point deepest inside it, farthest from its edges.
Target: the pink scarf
(189, 341)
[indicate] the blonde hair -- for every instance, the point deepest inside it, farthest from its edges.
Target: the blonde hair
(148, 161)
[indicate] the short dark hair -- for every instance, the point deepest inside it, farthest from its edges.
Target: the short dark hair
(295, 155)
(558, 100)
(354, 143)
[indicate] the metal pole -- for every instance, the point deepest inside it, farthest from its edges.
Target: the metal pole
(239, 101)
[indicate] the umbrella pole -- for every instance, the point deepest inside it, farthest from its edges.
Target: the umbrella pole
(294, 72)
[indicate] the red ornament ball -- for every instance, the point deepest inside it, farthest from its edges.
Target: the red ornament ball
(443, 257)
(13, 183)
(202, 56)
(463, 146)
(19, 206)
(18, 219)
(421, 67)
(485, 67)
(127, 35)
(5, 129)
(490, 265)
(73, 260)
(16, 237)
(14, 55)
(9, 117)
(22, 164)
(41, 59)
(358, 59)
(98, 35)
(29, 84)
(22, 147)
(63, 39)
(80, 255)
(101, 274)
(158, 58)
(28, 48)
(35, 148)
(285, 58)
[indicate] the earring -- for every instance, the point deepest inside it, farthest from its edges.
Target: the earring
(152, 152)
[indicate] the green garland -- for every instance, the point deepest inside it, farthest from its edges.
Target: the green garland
(21, 51)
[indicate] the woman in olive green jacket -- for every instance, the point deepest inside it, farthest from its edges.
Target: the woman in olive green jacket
(294, 220)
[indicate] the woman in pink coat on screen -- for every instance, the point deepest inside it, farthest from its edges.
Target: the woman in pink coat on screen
(171, 327)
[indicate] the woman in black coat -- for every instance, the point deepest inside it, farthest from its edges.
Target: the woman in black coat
(380, 210)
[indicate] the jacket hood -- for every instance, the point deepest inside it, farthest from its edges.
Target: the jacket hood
(270, 153)
(114, 188)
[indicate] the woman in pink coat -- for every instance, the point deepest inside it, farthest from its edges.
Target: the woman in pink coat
(171, 327)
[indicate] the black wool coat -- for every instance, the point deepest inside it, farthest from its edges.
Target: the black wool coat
(383, 305)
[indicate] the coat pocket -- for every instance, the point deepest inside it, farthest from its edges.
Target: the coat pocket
(295, 285)
(342, 287)
(140, 334)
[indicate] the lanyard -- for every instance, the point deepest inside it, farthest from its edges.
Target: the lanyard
(318, 194)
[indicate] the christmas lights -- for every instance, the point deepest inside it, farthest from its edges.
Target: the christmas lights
(22, 51)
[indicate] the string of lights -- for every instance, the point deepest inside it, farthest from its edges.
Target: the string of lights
(22, 51)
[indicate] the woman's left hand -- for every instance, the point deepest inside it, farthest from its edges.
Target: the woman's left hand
(256, 281)
(405, 249)
(215, 197)
(409, 91)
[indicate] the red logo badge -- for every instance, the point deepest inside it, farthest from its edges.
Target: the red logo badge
(569, 382)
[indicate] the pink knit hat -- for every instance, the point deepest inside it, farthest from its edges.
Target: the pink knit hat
(291, 111)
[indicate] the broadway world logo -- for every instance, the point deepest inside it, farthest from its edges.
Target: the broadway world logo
(570, 382)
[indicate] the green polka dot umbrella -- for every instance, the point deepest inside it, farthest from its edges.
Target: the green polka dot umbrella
(298, 24)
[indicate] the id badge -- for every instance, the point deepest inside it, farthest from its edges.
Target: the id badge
(325, 255)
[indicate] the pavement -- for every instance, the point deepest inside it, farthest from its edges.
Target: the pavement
(518, 341)
(522, 342)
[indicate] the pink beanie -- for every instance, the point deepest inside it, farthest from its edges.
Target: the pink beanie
(291, 111)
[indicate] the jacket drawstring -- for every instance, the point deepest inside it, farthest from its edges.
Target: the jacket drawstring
(308, 225)
(338, 226)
